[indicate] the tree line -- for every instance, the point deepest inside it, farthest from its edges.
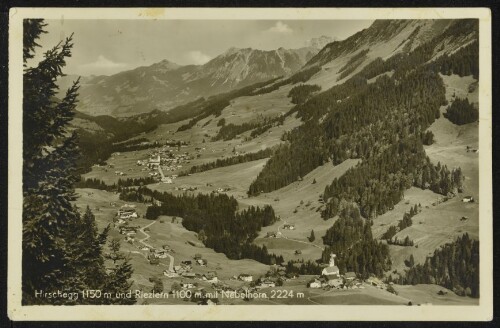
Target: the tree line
(352, 64)
(230, 131)
(302, 92)
(301, 267)
(96, 183)
(248, 157)
(301, 76)
(401, 242)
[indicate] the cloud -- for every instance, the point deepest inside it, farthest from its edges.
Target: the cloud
(197, 57)
(103, 63)
(280, 27)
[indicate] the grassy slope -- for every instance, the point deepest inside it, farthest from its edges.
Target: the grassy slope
(307, 217)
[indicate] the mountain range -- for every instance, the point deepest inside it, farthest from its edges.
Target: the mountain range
(166, 92)
(165, 84)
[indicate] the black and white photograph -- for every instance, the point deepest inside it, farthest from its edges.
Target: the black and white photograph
(230, 159)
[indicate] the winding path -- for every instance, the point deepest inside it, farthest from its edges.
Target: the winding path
(170, 264)
(160, 170)
(143, 241)
(146, 234)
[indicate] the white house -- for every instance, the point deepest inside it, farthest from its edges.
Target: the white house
(166, 180)
(210, 277)
(161, 254)
(468, 199)
(126, 209)
(245, 277)
(315, 284)
(202, 262)
(267, 283)
(128, 215)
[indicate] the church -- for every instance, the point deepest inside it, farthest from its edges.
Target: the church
(332, 273)
(331, 269)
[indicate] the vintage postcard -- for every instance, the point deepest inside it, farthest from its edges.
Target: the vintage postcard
(250, 164)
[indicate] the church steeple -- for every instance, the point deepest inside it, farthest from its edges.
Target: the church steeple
(332, 259)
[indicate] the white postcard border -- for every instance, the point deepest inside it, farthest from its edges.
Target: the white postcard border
(482, 312)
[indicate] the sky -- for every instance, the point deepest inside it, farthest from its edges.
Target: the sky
(104, 47)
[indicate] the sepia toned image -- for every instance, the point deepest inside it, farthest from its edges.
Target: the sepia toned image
(281, 160)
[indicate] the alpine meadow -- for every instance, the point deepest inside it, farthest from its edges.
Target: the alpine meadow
(289, 158)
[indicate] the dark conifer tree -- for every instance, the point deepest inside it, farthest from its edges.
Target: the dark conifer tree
(61, 249)
(312, 237)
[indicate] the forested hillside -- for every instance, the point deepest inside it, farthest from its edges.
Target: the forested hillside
(454, 266)
(384, 123)
(360, 120)
(216, 220)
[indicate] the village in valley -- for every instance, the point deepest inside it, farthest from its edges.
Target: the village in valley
(186, 159)
(194, 274)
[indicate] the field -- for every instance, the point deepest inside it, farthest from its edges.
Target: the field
(236, 177)
(162, 231)
(452, 140)
(298, 204)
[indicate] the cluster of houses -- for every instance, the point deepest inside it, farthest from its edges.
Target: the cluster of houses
(331, 278)
(126, 213)
(276, 276)
(185, 268)
(129, 232)
(184, 271)
(168, 158)
(155, 255)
